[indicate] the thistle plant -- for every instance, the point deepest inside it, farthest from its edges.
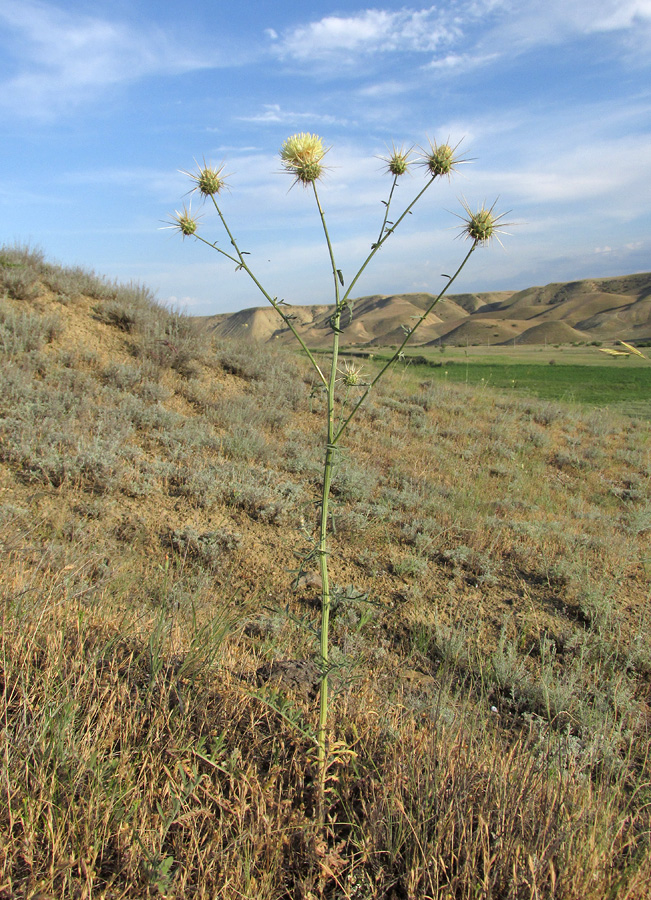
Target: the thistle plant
(302, 157)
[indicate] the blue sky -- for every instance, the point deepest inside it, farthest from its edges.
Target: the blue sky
(101, 105)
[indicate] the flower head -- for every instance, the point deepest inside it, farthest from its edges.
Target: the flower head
(302, 156)
(440, 159)
(209, 180)
(350, 374)
(481, 226)
(397, 161)
(184, 221)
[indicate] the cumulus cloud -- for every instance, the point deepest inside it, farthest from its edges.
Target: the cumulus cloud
(370, 31)
(468, 33)
(616, 14)
(529, 23)
(583, 174)
(384, 89)
(457, 61)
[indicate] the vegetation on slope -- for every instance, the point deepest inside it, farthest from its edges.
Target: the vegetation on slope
(492, 561)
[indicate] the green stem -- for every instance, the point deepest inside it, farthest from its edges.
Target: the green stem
(386, 209)
(376, 247)
(402, 346)
(241, 263)
(335, 273)
(325, 622)
(331, 448)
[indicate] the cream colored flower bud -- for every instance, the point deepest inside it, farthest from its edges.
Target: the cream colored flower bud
(184, 222)
(302, 156)
(209, 180)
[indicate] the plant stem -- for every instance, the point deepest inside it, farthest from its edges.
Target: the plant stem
(334, 432)
(375, 247)
(241, 263)
(386, 209)
(335, 274)
(326, 600)
(402, 346)
(325, 621)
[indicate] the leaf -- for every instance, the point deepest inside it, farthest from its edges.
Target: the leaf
(164, 867)
(341, 277)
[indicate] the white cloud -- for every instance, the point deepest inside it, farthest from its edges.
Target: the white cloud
(615, 14)
(139, 181)
(470, 33)
(384, 89)
(582, 174)
(274, 114)
(371, 31)
(458, 61)
(65, 58)
(529, 23)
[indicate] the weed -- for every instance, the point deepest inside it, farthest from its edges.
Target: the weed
(301, 157)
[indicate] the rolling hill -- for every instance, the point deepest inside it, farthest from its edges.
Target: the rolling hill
(593, 309)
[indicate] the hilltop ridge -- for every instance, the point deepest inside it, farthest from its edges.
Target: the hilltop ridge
(617, 308)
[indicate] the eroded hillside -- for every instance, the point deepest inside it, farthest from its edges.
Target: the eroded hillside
(603, 309)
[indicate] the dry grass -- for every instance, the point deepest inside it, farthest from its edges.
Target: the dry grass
(491, 629)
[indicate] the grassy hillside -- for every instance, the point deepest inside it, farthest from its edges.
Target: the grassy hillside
(492, 628)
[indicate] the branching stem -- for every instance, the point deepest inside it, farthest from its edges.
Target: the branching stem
(241, 263)
(301, 150)
(402, 346)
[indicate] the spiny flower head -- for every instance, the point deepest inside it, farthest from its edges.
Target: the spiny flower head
(481, 226)
(302, 156)
(209, 180)
(397, 161)
(350, 374)
(184, 221)
(440, 159)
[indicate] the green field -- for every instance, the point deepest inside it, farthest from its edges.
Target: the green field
(579, 375)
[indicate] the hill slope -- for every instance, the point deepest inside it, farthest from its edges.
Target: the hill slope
(490, 652)
(605, 309)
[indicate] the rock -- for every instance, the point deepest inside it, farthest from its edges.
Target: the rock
(299, 675)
